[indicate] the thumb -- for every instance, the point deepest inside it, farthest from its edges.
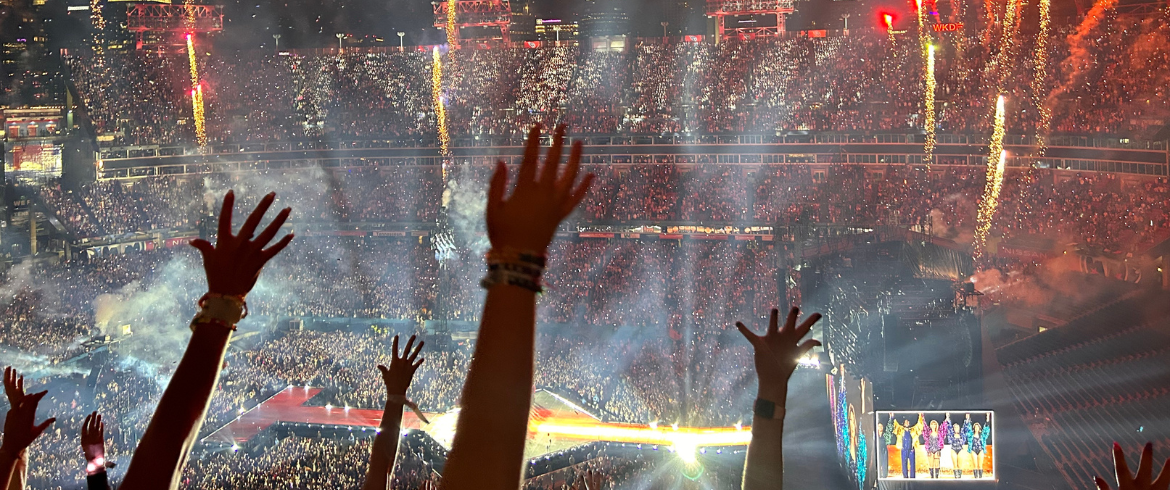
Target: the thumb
(384, 369)
(747, 334)
(40, 429)
(806, 346)
(202, 245)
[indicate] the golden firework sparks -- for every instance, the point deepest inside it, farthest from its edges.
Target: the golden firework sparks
(452, 33)
(196, 95)
(440, 109)
(995, 169)
(929, 107)
(1040, 78)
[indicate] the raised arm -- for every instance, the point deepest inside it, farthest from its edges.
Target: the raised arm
(488, 450)
(776, 354)
(19, 432)
(93, 447)
(14, 389)
(232, 265)
(397, 379)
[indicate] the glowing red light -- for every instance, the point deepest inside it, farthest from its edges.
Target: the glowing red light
(889, 20)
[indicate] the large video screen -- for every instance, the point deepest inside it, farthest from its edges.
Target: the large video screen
(32, 163)
(954, 446)
(851, 406)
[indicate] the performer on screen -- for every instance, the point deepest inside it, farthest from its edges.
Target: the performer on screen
(885, 439)
(978, 445)
(909, 436)
(957, 437)
(934, 437)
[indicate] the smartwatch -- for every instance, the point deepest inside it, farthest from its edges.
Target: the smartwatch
(766, 409)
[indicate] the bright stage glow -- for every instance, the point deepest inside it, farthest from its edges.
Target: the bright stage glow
(684, 437)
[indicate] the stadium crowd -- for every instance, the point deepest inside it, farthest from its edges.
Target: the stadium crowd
(688, 292)
(858, 82)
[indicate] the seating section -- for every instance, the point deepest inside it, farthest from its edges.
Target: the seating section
(1101, 378)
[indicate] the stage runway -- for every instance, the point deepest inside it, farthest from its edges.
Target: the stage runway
(555, 424)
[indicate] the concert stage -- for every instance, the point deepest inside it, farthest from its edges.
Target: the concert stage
(555, 424)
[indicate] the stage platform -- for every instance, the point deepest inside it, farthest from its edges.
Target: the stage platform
(555, 424)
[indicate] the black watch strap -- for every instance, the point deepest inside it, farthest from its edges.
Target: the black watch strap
(765, 409)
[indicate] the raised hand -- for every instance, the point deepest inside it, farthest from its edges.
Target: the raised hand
(13, 386)
(1145, 471)
(233, 264)
(777, 351)
(402, 367)
(590, 480)
(93, 442)
(527, 220)
(19, 428)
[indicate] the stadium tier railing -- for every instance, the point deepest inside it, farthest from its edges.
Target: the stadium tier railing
(1114, 142)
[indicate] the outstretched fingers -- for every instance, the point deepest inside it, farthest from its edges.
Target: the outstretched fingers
(271, 252)
(1124, 476)
(417, 350)
(272, 228)
(225, 216)
(564, 184)
(747, 333)
(1146, 464)
(394, 346)
(531, 157)
(1163, 480)
(774, 320)
(807, 325)
(577, 196)
(1101, 485)
(499, 185)
(805, 347)
(409, 345)
(548, 171)
(250, 224)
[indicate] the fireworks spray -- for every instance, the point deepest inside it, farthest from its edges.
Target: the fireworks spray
(440, 108)
(196, 95)
(1001, 64)
(1077, 65)
(452, 33)
(1040, 76)
(929, 107)
(889, 19)
(995, 169)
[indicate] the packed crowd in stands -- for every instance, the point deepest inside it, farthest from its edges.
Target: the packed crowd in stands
(665, 309)
(1098, 210)
(853, 83)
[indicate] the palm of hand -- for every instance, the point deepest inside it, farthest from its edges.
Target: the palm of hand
(402, 367)
(233, 263)
(93, 443)
(777, 351)
(528, 219)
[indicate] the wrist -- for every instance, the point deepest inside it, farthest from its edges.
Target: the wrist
(95, 465)
(9, 454)
(777, 395)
